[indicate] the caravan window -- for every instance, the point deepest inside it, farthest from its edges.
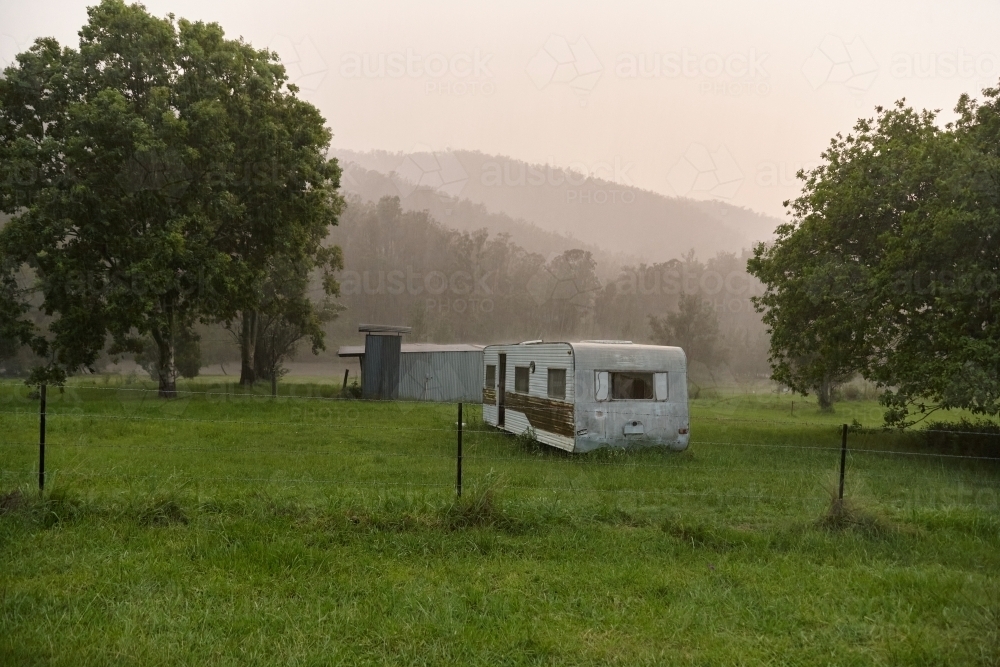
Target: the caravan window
(557, 383)
(661, 387)
(631, 386)
(601, 385)
(491, 376)
(521, 379)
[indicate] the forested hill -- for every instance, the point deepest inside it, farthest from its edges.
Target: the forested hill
(594, 211)
(464, 215)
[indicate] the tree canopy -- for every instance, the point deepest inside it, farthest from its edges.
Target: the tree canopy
(890, 268)
(153, 174)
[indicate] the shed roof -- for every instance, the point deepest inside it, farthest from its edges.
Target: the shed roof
(411, 348)
(384, 328)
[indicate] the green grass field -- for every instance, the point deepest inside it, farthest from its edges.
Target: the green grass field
(222, 528)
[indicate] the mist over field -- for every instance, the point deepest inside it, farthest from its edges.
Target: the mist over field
(597, 205)
(517, 333)
(593, 163)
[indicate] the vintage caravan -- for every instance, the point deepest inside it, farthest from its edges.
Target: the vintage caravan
(580, 396)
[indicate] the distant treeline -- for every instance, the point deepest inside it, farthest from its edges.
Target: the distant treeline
(404, 267)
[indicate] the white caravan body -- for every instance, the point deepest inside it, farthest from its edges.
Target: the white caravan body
(581, 396)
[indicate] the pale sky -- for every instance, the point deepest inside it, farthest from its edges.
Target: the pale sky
(718, 100)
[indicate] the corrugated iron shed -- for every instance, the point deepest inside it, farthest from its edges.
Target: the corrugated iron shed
(450, 373)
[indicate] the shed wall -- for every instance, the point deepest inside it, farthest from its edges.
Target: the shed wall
(455, 377)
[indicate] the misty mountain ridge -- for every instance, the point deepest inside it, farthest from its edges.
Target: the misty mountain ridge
(548, 209)
(466, 216)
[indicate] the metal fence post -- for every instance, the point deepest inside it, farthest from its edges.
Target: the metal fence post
(41, 439)
(458, 481)
(843, 461)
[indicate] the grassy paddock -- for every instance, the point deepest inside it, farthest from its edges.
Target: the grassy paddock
(224, 528)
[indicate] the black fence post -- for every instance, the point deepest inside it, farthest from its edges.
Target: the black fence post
(843, 461)
(458, 480)
(41, 439)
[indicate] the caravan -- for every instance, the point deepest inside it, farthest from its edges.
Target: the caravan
(581, 396)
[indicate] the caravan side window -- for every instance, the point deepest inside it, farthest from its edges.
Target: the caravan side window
(601, 385)
(557, 383)
(521, 379)
(491, 376)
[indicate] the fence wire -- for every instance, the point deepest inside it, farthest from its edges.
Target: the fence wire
(74, 432)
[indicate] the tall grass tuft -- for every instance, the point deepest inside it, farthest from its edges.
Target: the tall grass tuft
(162, 511)
(481, 507)
(844, 515)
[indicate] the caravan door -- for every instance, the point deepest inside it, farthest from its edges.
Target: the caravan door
(502, 390)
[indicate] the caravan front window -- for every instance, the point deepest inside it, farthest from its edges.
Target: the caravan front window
(491, 376)
(631, 386)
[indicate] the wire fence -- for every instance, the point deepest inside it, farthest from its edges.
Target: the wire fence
(108, 438)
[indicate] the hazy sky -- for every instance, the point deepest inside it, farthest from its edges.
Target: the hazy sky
(723, 100)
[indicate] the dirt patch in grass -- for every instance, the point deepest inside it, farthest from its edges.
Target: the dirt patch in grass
(11, 502)
(703, 536)
(162, 512)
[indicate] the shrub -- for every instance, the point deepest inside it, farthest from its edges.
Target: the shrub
(964, 438)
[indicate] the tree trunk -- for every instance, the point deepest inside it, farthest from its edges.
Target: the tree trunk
(166, 368)
(248, 348)
(824, 395)
(262, 357)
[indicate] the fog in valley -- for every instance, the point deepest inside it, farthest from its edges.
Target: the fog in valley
(571, 171)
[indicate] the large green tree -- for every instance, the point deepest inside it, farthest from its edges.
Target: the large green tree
(152, 172)
(287, 195)
(890, 266)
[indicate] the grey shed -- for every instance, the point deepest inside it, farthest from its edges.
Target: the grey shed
(424, 371)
